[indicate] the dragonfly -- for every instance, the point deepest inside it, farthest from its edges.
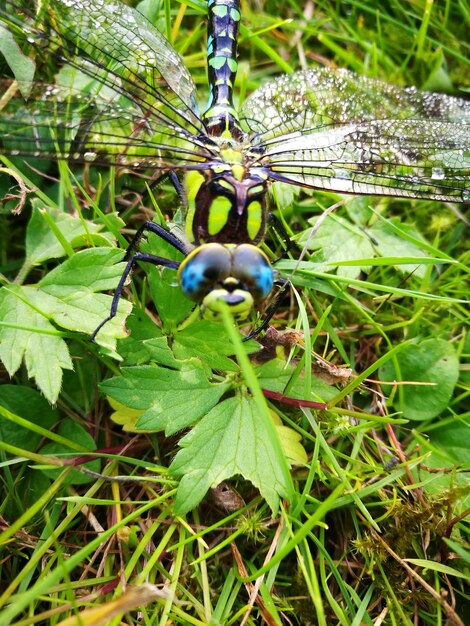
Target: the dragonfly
(319, 128)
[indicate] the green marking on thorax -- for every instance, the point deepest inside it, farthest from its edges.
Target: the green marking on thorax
(225, 184)
(238, 171)
(255, 218)
(230, 155)
(218, 214)
(193, 180)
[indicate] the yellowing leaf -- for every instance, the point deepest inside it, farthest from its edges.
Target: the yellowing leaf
(125, 416)
(292, 446)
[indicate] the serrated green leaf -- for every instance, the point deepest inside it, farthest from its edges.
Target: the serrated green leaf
(65, 296)
(145, 342)
(27, 335)
(208, 341)
(41, 242)
(284, 194)
(230, 440)
(95, 269)
(170, 399)
(359, 210)
(203, 339)
(432, 361)
(68, 295)
(172, 305)
(160, 352)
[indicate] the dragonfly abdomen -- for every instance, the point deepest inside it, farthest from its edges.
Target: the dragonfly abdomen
(221, 118)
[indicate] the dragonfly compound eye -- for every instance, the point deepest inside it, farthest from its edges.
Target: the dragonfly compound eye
(203, 269)
(252, 268)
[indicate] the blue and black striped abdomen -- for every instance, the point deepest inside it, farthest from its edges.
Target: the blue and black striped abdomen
(223, 23)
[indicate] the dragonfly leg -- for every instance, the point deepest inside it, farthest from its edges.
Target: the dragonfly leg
(175, 181)
(135, 258)
(157, 182)
(284, 285)
(279, 229)
(162, 233)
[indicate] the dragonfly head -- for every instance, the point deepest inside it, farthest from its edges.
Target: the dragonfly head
(217, 275)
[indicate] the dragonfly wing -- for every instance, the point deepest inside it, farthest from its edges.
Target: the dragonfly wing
(92, 125)
(338, 131)
(122, 89)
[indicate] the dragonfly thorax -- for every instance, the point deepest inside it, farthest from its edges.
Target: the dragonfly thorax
(233, 276)
(227, 206)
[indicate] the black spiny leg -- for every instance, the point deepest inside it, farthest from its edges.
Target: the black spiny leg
(157, 182)
(179, 245)
(175, 181)
(132, 259)
(279, 229)
(284, 285)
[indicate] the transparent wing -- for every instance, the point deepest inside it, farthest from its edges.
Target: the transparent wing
(338, 131)
(123, 95)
